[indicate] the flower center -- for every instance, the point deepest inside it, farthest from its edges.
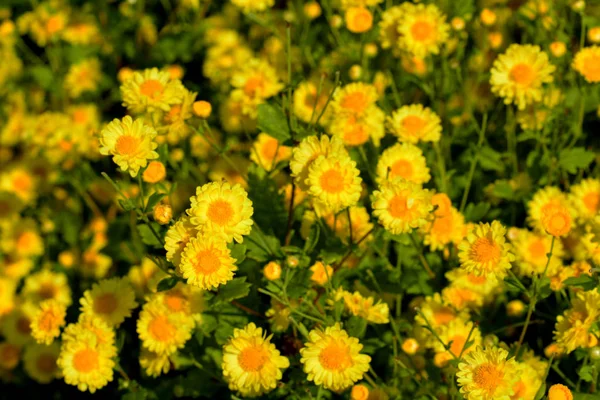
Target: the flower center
(46, 363)
(23, 325)
(270, 149)
(413, 124)
(48, 321)
(558, 222)
(487, 377)
(253, 359)
(152, 89)
(402, 168)
(537, 249)
(80, 117)
(86, 360)
(47, 291)
(400, 206)
(443, 316)
(161, 329)
(25, 240)
(254, 86)
(220, 212)
(591, 201)
(458, 342)
(522, 74)
(356, 135)
(54, 24)
(332, 181)
(422, 31)
(355, 102)
(591, 68)
(478, 280)
(105, 304)
(126, 145)
(207, 262)
(485, 250)
(175, 301)
(22, 182)
(335, 357)
(10, 354)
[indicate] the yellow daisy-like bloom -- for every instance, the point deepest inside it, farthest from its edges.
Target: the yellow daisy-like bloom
(151, 90)
(528, 383)
(219, 208)
(248, 6)
(39, 362)
(163, 331)
(456, 334)
(154, 364)
(309, 150)
(84, 363)
(587, 63)
(321, 273)
(361, 225)
(46, 322)
(482, 287)
(585, 197)
(358, 19)
(354, 99)
(485, 252)
(306, 101)
(531, 250)
(251, 363)
(105, 335)
(423, 29)
(110, 299)
(401, 206)
(403, 160)
(444, 229)
(486, 374)
(182, 298)
(45, 285)
(391, 18)
(542, 201)
(356, 131)
(177, 237)
(537, 363)
(268, 152)
(131, 143)
(365, 307)
(8, 288)
(334, 182)
(10, 355)
(556, 220)
(206, 262)
(255, 80)
(435, 312)
(518, 75)
(332, 359)
(573, 328)
(16, 325)
(414, 124)
(83, 77)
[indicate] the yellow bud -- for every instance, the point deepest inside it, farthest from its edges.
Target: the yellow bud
(410, 346)
(175, 71)
(6, 28)
(66, 258)
(559, 392)
(458, 24)
(371, 49)
(552, 350)
(359, 392)
(515, 308)
(488, 17)
(202, 109)
(495, 39)
(272, 271)
(163, 213)
(578, 5)
(359, 20)
(336, 21)
(558, 49)
(124, 74)
(155, 172)
(177, 154)
(312, 10)
(594, 34)
(355, 72)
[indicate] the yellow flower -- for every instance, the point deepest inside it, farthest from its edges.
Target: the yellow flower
(483, 287)
(10, 355)
(16, 325)
(531, 249)
(334, 182)
(151, 90)
(556, 220)
(403, 160)
(585, 196)
(22, 239)
(542, 201)
(248, 6)
(163, 331)
(321, 273)
(332, 359)
(177, 237)
(365, 307)
(110, 299)
(46, 323)
(444, 229)
(455, 334)
(279, 315)
(361, 225)
(221, 209)
(206, 262)
(359, 392)
(154, 364)
(84, 363)
(307, 106)
(518, 75)
(255, 81)
(528, 382)
(573, 328)
(309, 149)
(45, 285)
(83, 77)
(154, 172)
(268, 151)
(415, 123)
(391, 18)
(104, 334)
(354, 99)
(182, 298)
(486, 374)
(20, 181)
(435, 312)
(251, 363)
(423, 29)
(39, 362)
(272, 271)
(358, 19)
(356, 131)
(587, 63)
(559, 392)
(401, 206)
(8, 288)
(131, 143)
(485, 252)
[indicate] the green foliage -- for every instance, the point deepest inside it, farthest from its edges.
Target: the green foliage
(235, 289)
(272, 121)
(572, 160)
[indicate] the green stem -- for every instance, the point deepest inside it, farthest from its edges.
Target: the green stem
(441, 167)
(474, 161)
(424, 262)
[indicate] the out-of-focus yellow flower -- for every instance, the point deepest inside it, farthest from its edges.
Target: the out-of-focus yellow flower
(403, 160)
(272, 271)
(163, 331)
(202, 109)
(488, 17)
(358, 19)
(587, 63)
(559, 392)
(39, 362)
(151, 90)
(321, 273)
(558, 49)
(83, 77)
(47, 321)
(415, 123)
(112, 300)
(359, 392)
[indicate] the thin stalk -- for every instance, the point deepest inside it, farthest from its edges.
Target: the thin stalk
(424, 262)
(474, 161)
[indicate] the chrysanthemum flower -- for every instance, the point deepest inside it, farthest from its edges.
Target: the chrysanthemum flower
(444, 229)
(544, 199)
(163, 331)
(573, 328)
(251, 363)
(309, 150)
(177, 237)
(356, 131)
(279, 315)
(403, 160)
(485, 252)
(587, 63)
(110, 299)
(334, 182)
(361, 224)
(221, 209)
(423, 29)
(358, 19)
(154, 364)
(104, 334)
(556, 220)
(183, 298)
(46, 322)
(455, 334)
(359, 392)
(83, 77)
(559, 392)
(518, 75)
(415, 123)
(531, 250)
(131, 143)
(151, 90)
(391, 18)
(45, 285)
(354, 99)
(206, 262)
(16, 325)
(528, 382)
(10, 355)
(585, 196)
(332, 359)
(307, 106)
(435, 312)
(256, 80)
(248, 6)
(401, 206)
(486, 374)
(268, 151)
(321, 273)
(84, 363)
(365, 307)
(39, 362)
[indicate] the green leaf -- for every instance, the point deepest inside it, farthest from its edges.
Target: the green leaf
(541, 392)
(272, 121)
(584, 396)
(513, 285)
(127, 205)
(166, 284)
(153, 200)
(262, 248)
(586, 373)
(356, 327)
(269, 205)
(571, 160)
(476, 212)
(147, 236)
(234, 289)
(490, 159)
(584, 281)
(238, 251)
(313, 238)
(503, 190)
(43, 76)
(545, 289)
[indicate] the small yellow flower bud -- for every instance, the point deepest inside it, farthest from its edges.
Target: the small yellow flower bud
(359, 392)
(175, 71)
(312, 10)
(559, 392)
(336, 21)
(458, 24)
(556, 221)
(163, 213)
(272, 271)
(371, 49)
(202, 109)
(292, 261)
(552, 350)
(66, 258)
(495, 39)
(410, 346)
(177, 154)
(359, 20)
(355, 72)
(515, 308)
(578, 5)
(558, 49)
(594, 34)
(7, 28)
(155, 172)
(124, 74)
(488, 17)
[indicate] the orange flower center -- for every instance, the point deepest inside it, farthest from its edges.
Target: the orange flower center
(335, 357)
(485, 250)
(253, 359)
(80, 117)
(591, 68)
(48, 321)
(254, 86)
(10, 354)
(402, 168)
(220, 212)
(422, 31)
(23, 326)
(478, 280)
(400, 206)
(537, 249)
(522, 74)
(161, 329)
(207, 262)
(591, 201)
(332, 181)
(25, 240)
(54, 24)
(22, 182)
(413, 125)
(86, 360)
(47, 291)
(355, 135)
(356, 102)
(487, 377)
(126, 145)
(458, 342)
(105, 304)
(270, 149)
(152, 89)
(520, 390)
(175, 301)
(46, 363)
